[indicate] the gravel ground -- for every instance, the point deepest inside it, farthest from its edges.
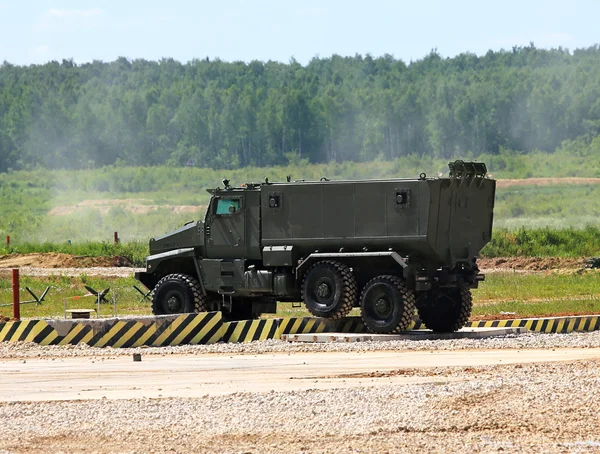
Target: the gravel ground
(75, 272)
(521, 341)
(519, 408)
(549, 407)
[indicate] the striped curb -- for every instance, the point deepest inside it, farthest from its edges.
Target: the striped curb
(310, 325)
(250, 330)
(580, 323)
(204, 328)
(209, 328)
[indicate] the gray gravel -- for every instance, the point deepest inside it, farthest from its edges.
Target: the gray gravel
(521, 341)
(550, 407)
(76, 272)
(531, 408)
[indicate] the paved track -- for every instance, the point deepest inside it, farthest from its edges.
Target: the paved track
(199, 375)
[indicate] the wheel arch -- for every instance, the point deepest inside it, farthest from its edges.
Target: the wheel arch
(379, 259)
(180, 261)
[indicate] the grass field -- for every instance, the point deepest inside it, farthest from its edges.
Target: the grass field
(522, 242)
(89, 205)
(527, 295)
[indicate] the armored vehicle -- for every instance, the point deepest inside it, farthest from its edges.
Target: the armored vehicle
(391, 247)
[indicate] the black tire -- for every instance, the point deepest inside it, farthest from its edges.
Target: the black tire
(386, 305)
(445, 310)
(178, 294)
(329, 290)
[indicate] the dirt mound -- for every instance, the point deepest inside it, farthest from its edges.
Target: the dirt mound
(532, 263)
(546, 181)
(58, 260)
(136, 206)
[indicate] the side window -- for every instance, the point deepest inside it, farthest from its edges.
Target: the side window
(227, 206)
(402, 198)
(275, 201)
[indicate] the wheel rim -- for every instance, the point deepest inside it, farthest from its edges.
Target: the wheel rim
(382, 307)
(380, 303)
(324, 292)
(173, 303)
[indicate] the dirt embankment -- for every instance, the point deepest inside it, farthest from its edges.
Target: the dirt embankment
(58, 260)
(531, 263)
(546, 181)
(136, 206)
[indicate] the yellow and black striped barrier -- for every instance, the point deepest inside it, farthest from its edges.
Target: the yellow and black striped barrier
(310, 325)
(580, 323)
(250, 330)
(204, 328)
(209, 328)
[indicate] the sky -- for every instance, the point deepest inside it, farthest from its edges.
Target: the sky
(38, 31)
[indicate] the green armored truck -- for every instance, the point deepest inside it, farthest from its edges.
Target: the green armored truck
(391, 247)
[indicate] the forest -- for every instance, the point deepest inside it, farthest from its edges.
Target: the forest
(229, 115)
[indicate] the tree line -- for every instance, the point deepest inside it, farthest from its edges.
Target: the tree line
(234, 114)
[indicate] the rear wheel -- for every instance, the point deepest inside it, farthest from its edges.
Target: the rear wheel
(242, 310)
(445, 310)
(329, 290)
(386, 305)
(178, 294)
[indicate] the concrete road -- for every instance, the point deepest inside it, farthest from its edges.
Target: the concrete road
(199, 375)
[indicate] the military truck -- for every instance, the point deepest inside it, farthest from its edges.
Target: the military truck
(392, 247)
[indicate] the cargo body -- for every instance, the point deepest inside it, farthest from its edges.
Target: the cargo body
(389, 246)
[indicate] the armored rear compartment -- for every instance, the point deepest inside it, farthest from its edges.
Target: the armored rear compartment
(442, 221)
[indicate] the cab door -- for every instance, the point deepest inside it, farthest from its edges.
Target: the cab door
(225, 227)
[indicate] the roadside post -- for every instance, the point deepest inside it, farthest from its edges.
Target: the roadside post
(15, 292)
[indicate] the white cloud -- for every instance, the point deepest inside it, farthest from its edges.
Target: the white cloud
(56, 18)
(74, 13)
(41, 50)
(312, 12)
(554, 39)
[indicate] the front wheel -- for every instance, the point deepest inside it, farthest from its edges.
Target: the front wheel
(178, 294)
(329, 290)
(386, 305)
(445, 310)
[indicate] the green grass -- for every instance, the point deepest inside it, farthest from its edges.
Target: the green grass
(528, 295)
(28, 196)
(512, 286)
(544, 242)
(531, 295)
(555, 206)
(522, 242)
(71, 291)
